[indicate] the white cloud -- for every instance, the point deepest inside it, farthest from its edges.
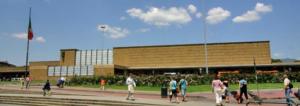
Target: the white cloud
(161, 16)
(123, 18)
(20, 35)
(253, 15)
(198, 15)
(113, 32)
(23, 36)
(40, 39)
(260, 7)
(217, 15)
(247, 17)
(192, 9)
(144, 30)
(277, 55)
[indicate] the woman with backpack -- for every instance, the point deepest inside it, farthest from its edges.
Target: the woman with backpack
(287, 89)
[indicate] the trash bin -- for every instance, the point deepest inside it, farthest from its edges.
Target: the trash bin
(298, 93)
(164, 90)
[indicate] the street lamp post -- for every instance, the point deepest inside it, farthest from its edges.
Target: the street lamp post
(204, 34)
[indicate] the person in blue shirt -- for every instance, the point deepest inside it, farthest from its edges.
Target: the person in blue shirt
(172, 89)
(243, 89)
(183, 85)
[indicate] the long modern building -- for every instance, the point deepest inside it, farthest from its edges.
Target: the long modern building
(160, 59)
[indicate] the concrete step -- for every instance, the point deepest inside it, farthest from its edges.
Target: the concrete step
(62, 103)
(46, 101)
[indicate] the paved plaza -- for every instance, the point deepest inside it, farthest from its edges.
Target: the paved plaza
(195, 99)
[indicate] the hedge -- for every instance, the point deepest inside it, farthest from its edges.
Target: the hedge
(158, 80)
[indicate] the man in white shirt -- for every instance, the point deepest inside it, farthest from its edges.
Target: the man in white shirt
(287, 89)
(131, 84)
(62, 79)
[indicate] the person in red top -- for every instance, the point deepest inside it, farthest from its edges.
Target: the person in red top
(102, 84)
(27, 82)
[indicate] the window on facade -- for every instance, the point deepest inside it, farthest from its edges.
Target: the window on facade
(104, 57)
(88, 57)
(83, 57)
(90, 70)
(83, 70)
(64, 71)
(78, 55)
(99, 57)
(77, 70)
(70, 70)
(110, 57)
(50, 71)
(94, 57)
(57, 71)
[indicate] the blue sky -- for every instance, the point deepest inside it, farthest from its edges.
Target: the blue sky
(96, 24)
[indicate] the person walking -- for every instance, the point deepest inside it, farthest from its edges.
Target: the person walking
(46, 88)
(172, 89)
(287, 89)
(102, 84)
(58, 82)
(217, 89)
(243, 89)
(27, 82)
(62, 79)
(131, 84)
(183, 86)
(227, 92)
(22, 82)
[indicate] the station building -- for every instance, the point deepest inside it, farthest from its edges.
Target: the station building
(238, 57)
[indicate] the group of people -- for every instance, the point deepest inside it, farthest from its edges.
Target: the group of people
(175, 88)
(221, 90)
(47, 87)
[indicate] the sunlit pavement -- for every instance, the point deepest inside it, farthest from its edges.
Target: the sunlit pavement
(196, 99)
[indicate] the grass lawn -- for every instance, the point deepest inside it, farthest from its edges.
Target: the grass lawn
(199, 88)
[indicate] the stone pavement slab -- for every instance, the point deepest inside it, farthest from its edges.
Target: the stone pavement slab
(202, 98)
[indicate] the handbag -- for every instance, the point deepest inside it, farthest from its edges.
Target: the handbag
(177, 90)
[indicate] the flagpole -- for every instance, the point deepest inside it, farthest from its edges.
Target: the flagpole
(27, 53)
(256, 76)
(27, 50)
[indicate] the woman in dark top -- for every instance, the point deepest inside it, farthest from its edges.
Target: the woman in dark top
(47, 88)
(227, 93)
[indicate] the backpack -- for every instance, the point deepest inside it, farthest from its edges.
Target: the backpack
(290, 85)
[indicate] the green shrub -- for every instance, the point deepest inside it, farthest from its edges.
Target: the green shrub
(158, 80)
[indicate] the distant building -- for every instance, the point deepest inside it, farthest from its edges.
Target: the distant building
(236, 57)
(9, 71)
(6, 64)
